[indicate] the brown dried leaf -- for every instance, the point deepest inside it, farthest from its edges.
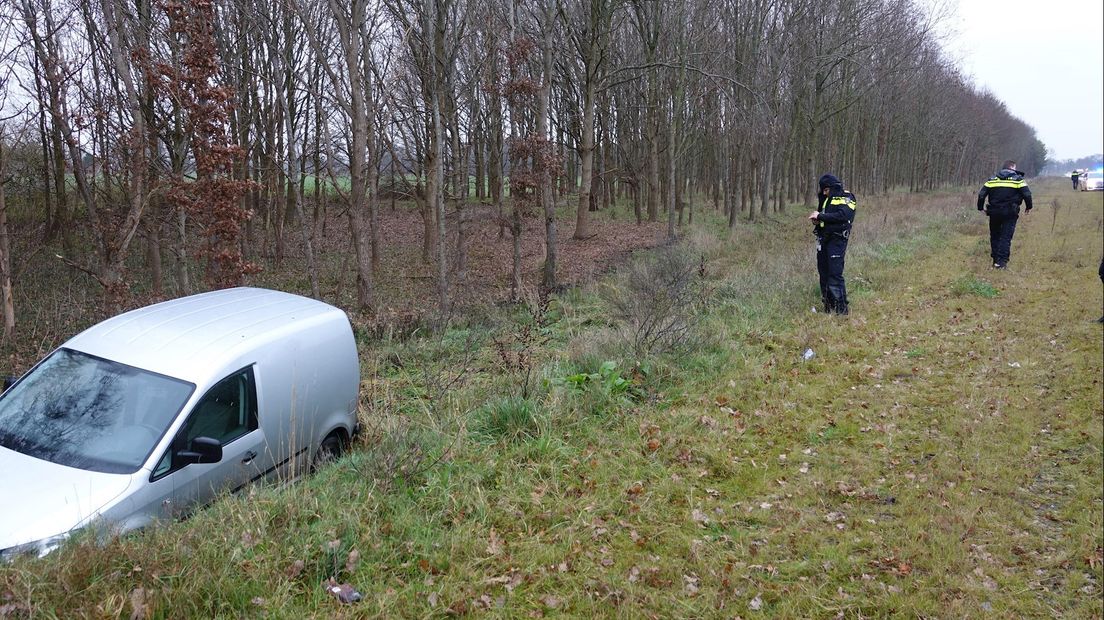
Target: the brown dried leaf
(139, 606)
(295, 569)
(494, 544)
(352, 562)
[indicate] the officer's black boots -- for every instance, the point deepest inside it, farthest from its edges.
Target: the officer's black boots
(835, 306)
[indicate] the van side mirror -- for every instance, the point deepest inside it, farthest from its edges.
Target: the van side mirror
(204, 450)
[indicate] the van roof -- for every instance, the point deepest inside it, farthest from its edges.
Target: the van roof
(190, 337)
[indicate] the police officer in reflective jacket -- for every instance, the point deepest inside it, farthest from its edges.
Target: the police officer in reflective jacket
(1005, 191)
(832, 227)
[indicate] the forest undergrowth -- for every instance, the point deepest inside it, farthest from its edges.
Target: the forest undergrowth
(688, 439)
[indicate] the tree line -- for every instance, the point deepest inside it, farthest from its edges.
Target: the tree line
(224, 130)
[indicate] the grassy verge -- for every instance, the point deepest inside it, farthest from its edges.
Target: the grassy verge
(940, 455)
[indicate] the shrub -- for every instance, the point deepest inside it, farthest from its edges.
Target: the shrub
(657, 300)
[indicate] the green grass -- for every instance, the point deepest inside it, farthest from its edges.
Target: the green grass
(972, 285)
(939, 457)
(508, 418)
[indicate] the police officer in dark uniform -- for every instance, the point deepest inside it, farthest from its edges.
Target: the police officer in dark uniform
(1076, 174)
(1005, 191)
(832, 227)
(1100, 272)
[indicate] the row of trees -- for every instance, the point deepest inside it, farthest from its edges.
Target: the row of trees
(1066, 166)
(231, 128)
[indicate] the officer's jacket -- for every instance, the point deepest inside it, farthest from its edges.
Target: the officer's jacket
(1005, 191)
(836, 214)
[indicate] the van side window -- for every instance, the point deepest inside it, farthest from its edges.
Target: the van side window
(227, 411)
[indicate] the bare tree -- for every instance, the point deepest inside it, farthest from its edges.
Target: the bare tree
(353, 90)
(589, 25)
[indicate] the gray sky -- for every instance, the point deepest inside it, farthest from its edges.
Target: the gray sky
(1043, 59)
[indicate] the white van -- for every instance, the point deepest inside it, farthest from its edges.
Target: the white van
(156, 411)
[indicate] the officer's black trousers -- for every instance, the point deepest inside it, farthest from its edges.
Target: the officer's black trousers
(1001, 229)
(831, 252)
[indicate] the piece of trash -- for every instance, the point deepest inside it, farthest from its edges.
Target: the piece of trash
(814, 310)
(344, 592)
(1013, 364)
(808, 355)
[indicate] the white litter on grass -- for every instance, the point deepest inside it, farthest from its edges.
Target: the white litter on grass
(1013, 364)
(808, 354)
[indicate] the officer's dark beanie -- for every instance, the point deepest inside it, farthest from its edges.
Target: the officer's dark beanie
(829, 180)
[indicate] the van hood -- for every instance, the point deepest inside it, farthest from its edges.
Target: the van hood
(43, 499)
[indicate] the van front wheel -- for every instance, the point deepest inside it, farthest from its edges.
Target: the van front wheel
(329, 450)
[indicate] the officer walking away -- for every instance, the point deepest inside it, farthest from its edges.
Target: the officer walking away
(832, 227)
(1100, 272)
(1005, 192)
(1074, 176)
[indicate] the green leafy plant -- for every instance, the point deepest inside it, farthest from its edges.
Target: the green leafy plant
(607, 381)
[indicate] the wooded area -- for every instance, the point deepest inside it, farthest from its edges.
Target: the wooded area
(185, 144)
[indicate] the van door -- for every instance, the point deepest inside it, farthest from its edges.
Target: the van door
(227, 413)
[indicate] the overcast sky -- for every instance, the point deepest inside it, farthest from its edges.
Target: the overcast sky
(1044, 59)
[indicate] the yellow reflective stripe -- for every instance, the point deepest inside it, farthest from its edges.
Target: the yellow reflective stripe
(843, 200)
(1003, 183)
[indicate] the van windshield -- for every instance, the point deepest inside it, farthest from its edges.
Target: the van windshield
(82, 411)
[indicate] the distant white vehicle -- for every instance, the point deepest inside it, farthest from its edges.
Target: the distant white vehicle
(1091, 181)
(154, 412)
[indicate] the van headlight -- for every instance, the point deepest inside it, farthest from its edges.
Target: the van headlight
(37, 548)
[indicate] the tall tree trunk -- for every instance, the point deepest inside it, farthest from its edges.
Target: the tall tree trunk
(652, 138)
(7, 301)
(435, 29)
(547, 190)
(586, 152)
